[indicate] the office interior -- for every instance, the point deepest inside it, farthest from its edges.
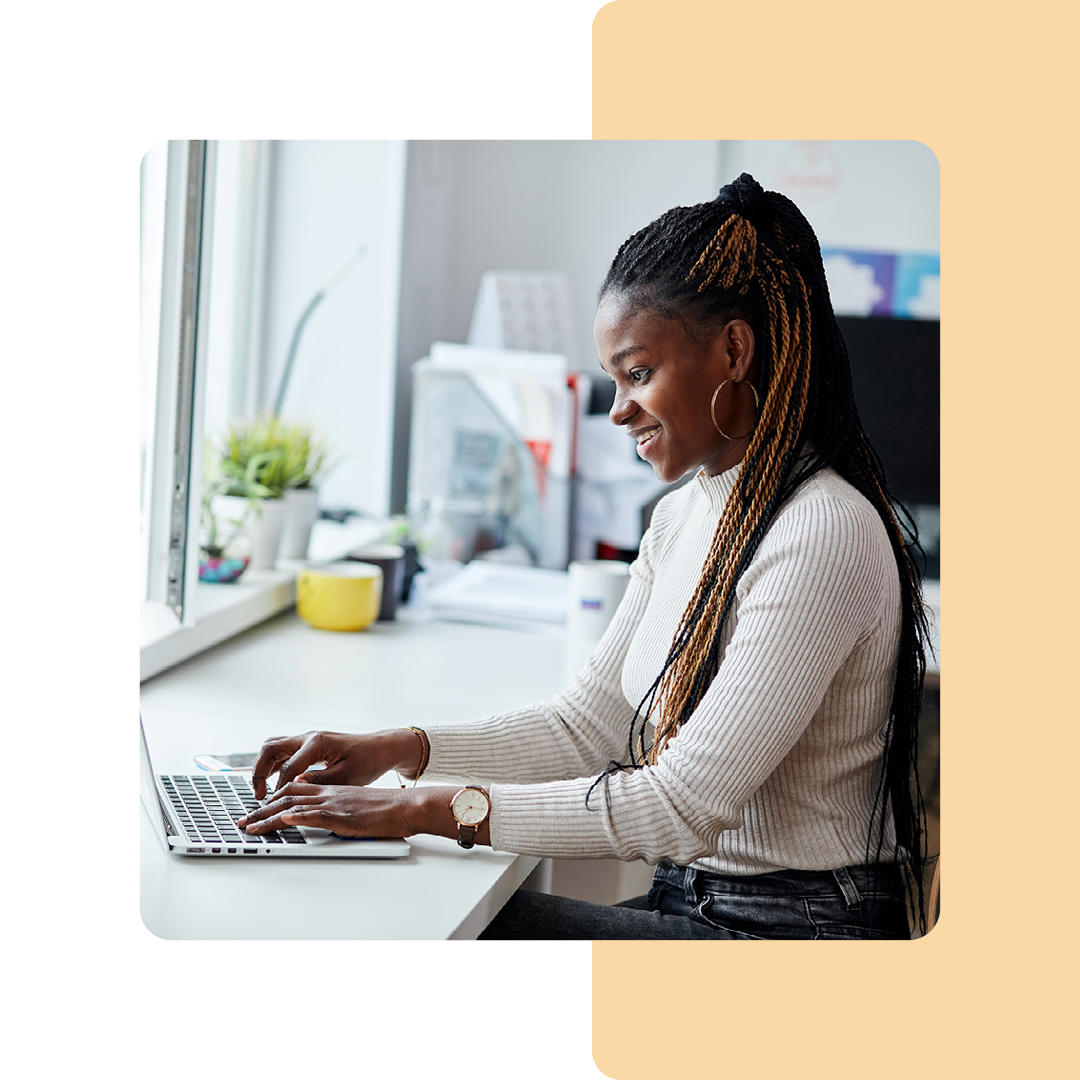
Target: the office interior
(393, 239)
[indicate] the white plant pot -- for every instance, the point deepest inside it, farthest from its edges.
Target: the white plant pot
(260, 522)
(301, 513)
(265, 532)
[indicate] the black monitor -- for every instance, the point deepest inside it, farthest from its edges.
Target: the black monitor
(896, 374)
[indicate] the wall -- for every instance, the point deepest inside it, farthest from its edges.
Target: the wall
(869, 193)
(325, 199)
(557, 206)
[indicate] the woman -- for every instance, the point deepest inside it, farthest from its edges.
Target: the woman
(749, 721)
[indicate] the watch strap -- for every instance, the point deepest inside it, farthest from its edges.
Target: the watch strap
(466, 835)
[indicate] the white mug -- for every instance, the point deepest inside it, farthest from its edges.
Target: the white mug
(596, 587)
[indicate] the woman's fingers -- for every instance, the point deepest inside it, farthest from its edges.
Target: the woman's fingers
(311, 816)
(348, 811)
(289, 757)
(291, 800)
(312, 751)
(330, 774)
(273, 754)
(348, 760)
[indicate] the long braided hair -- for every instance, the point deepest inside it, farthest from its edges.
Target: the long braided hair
(751, 254)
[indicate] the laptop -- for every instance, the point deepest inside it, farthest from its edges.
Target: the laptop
(196, 813)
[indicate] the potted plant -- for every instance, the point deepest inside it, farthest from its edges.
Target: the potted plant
(250, 484)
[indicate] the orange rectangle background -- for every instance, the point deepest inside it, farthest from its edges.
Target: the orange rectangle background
(986, 90)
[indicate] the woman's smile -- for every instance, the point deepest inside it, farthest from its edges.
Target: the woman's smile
(645, 439)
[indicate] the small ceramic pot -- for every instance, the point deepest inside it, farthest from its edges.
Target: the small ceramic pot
(220, 569)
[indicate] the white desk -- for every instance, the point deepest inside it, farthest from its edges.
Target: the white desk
(283, 677)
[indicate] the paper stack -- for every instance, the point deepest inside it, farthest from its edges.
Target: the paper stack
(522, 597)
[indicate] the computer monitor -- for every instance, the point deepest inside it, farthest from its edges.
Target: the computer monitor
(896, 375)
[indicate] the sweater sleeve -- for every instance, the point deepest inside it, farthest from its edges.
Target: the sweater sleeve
(813, 590)
(575, 734)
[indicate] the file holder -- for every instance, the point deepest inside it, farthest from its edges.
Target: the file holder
(475, 482)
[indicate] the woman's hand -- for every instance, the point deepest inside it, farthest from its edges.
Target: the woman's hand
(350, 759)
(384, 813)
(347, 811)
(376, 812)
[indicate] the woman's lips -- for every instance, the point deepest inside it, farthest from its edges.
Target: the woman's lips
(645, 440)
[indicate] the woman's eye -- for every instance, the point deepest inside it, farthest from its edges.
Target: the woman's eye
(638, 374)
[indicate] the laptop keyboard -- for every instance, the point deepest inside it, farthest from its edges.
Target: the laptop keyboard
(209, 806)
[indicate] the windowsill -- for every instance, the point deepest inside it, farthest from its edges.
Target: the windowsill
(222, 611)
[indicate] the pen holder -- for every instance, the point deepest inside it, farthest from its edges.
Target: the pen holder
(390, 559)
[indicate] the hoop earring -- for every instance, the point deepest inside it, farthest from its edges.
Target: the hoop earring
(712, 409)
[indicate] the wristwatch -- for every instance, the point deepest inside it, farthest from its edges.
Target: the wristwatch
(470, 807)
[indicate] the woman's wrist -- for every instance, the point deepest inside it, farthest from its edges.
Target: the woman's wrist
(415, 771)
(428, 811)
(404, 751)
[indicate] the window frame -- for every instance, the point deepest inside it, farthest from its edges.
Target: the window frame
(176, 456)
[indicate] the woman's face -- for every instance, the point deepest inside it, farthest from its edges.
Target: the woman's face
(664, 383)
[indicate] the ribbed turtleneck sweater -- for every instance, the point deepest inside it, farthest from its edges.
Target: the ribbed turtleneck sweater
(778, 766)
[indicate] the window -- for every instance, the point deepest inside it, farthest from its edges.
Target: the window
(274, 222)
(200, 240)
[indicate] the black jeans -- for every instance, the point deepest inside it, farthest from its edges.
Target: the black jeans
(852, 903)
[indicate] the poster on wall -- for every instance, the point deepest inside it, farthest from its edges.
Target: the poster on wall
(884, 284)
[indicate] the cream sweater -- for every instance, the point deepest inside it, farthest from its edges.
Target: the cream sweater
(778, 766)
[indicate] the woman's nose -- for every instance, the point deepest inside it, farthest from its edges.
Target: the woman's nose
(622, 408)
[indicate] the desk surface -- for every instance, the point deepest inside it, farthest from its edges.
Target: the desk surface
(283, 677)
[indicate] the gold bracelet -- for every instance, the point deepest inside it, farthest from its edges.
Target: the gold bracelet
(425, 753)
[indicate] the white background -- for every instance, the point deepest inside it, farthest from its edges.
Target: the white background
(88, 88)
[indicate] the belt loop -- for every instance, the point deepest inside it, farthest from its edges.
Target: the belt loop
(689, 885)
(852, 896)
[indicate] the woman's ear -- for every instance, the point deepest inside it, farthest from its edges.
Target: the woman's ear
(734, 349)
(741, 347)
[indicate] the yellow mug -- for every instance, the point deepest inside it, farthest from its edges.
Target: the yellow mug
(339, 596)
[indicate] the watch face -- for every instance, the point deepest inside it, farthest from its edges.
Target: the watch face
(470, 806)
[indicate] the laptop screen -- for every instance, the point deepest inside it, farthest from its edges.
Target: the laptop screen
(148, 788)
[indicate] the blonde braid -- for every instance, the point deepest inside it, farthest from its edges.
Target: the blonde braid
(768, 455)
(729, 256)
